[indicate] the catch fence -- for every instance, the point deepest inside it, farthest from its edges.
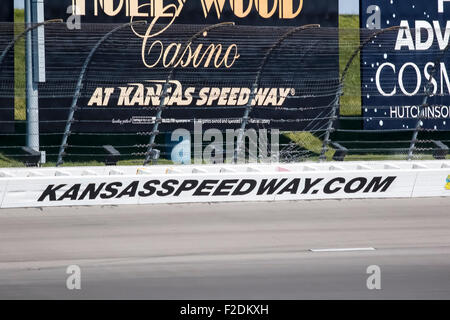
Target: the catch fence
(234, 93)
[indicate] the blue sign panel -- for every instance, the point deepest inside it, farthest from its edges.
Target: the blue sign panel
(399, 65)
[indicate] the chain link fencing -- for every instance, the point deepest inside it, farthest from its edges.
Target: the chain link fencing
(241, 93)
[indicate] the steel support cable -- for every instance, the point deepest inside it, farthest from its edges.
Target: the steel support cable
(249, 107)
(340, 92)
(163, 94)
(428, 93)
(18, 37)
(73, 106)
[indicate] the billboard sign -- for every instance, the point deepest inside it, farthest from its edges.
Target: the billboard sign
(397, 67)
(210, 73)
(7, 68)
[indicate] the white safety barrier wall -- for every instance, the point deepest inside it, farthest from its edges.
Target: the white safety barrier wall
(86, 186)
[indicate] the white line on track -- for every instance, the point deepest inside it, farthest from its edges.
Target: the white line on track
(342, 249)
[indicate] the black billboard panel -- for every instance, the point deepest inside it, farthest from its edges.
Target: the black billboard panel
(210, 69)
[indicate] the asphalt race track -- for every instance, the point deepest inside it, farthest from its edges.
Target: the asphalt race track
(229, 251)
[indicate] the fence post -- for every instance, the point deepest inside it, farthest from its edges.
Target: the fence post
(76, 95)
